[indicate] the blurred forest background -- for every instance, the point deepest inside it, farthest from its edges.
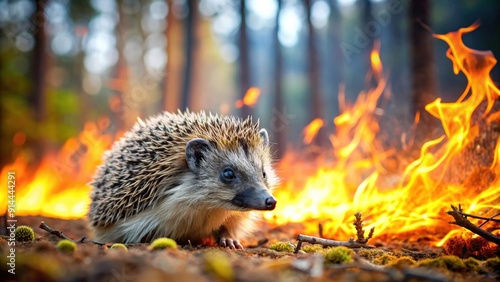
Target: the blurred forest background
(64, 63)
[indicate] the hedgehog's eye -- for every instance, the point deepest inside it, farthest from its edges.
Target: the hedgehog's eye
(227, 175)
(264, 174)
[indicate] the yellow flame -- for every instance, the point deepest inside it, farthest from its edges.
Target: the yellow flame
(312, 129)
(359, 178)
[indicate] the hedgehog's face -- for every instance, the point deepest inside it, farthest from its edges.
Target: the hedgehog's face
(236, 179)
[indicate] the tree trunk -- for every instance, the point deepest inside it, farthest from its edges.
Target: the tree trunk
(278, 122)
(38, 99)
(337, 64)
(121, 118)
(317, 110)
(422, 67)
(171, 83)
(244, 59)
(189, 39)
(366, 7)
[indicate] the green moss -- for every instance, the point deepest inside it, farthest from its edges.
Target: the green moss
(118, 246)
(452, 263)
(472, 264)
(432, 263)
(162, 243)
(385, 259)
(371, 254)
(66, 246)
(402, 262)
(493, 264)
(24, 233)
(313, 248)
(218, 264)
(339, 255)
(283, 247)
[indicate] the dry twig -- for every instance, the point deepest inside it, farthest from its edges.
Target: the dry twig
(59, 234)
(328, 243)
(461, 220)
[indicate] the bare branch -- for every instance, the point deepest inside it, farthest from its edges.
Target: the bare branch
(461, 220)
(326, 242)
(59, 234)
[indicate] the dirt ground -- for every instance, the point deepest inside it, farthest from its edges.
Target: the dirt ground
(40, 260)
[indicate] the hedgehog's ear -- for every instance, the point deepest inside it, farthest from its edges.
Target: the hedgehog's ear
(265, 136)
(195, 150)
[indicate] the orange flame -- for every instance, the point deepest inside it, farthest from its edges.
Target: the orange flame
(250, 98)
(360, 179)
(58, 186)
(312, 129)
(375, 58)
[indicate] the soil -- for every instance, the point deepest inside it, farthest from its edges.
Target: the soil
(40, 260)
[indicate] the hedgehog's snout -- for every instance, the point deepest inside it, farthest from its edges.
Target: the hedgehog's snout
(270, 203)
(255, 198)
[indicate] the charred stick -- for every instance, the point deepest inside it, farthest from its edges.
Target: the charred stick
(85, 239)
(59, 234)
(492, 218)
(299, 245)
(327, 242)
(461, 220)
(54, 232)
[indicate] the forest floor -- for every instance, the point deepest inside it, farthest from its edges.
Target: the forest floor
(393, 259)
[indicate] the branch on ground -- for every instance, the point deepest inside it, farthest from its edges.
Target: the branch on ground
(329, 243)
(59, 234)
(461, 220)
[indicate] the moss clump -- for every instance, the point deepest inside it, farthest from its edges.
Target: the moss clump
(339, 255)
(385, 259)
(163, 243)
(371, 254)
(283, 247)
(432, 263)
(24, 233)
(218, 264)
(313, 248)
(493, 264)
(402, 262)
(452, 263)
(472, 264)
(66, 246)
(118, 246)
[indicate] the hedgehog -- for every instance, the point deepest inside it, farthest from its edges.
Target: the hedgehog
(186, 176)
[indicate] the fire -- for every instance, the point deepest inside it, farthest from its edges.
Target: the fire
(359, 174)
(250, 98)
(359, 179)
(58, 186)
(312, 129)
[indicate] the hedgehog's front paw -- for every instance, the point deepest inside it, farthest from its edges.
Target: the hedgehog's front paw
(228, 242)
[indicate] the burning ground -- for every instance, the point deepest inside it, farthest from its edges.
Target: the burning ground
(404, 200)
